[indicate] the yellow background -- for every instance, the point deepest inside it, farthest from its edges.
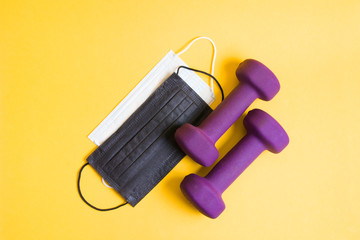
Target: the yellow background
(64, 65)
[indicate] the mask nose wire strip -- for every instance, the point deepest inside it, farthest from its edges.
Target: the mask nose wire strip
(199, 71)
(212, 60)
(90, 205)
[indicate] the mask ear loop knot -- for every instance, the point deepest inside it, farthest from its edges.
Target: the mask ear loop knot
(212, 59)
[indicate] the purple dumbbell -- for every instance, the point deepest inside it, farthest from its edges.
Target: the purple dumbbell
(263, 133)
(199, 142)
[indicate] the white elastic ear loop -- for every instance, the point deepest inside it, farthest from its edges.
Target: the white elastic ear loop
(104, 182)
(212, 60)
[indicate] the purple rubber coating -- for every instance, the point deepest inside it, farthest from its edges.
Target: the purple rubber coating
(260, 77)
(263, 133)
(257, 81)
(201, 193)
(188, 136)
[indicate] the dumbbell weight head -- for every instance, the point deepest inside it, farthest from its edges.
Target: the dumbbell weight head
(196, 144)
(202, 195)
(267, 129)
(261, 78)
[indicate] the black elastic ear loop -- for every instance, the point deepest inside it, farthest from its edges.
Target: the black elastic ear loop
(195, 70)
(82, 197)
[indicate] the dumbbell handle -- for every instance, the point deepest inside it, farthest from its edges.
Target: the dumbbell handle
(234, 105)
(235, 162)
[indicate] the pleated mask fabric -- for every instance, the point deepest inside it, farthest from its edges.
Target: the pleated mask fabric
(137, 156)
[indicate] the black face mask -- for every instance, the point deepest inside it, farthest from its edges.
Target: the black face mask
(135, 158)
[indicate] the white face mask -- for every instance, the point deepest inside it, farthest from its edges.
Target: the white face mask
(147, 86)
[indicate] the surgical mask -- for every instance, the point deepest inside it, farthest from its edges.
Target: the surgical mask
(136, 140)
